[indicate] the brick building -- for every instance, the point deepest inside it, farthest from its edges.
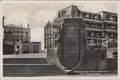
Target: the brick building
(29, 47)
(19, 34)
(17, 39)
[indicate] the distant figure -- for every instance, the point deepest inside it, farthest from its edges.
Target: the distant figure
(17, 50)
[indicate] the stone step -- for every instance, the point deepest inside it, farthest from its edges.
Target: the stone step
(24, 61)
(43, 69)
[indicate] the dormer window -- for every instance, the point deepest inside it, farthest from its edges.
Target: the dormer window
(90, 15)
(58, 15)
(99, 17)
(78, 12)
(84, 14)
(63, 13)
(87, 15)
(112, 18)
(96, 16)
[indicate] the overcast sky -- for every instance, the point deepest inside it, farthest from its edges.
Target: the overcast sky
(38, 13)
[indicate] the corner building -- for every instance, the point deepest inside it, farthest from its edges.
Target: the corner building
(17, 39)
(19, 34)
(99, 27)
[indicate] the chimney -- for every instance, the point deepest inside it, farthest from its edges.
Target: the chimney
(3, 22)
(28, 25)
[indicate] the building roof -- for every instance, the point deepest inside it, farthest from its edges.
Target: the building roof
(14, 26)
(90, 12)
(107, 12)
(51, 24)
(71, 6)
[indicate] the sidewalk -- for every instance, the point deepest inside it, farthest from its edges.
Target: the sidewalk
(30, 55)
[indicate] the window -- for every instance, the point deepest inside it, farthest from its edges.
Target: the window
(21, 39)
(63, 13)
(26, 32)
(90, 15)
(102, 57)
(83, 15)
(46, 32)
(84, 39)
(100, 34)
(45, 43)
(115, 19)
(17, 40)
(5, 31)
(18, 46)
(87, 24)
(55, 43)
(9, 30)
(50, 31)
(112, 35)
(13, 31)
(58, 15)
(13, 35)
(17, 31)
(51, 40)
(107, 17)
(55, 35)
(35, 48)
(115, 54)
(26, 40)
(112, 18)
(87, 15)
(48, 41)
(99, 25)
(99, 16)
(95, 41)
(96, 16)
(78, 12)
(13, 39)
(89, 33)
(95, 34)
(99, 41)
(22, 32)
(26, 36)
(93, 16)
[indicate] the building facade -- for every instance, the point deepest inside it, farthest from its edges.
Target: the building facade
(7, 43)
(100, 28)
(17, 40)
(88, 37)
(19, 34)
(29, 47)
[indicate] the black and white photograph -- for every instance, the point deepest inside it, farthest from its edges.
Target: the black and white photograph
(59, 39)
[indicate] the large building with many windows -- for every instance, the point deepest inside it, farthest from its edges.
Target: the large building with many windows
(100, 28)
(17, 40)
(19, 34)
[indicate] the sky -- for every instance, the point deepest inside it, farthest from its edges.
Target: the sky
(37, 14)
